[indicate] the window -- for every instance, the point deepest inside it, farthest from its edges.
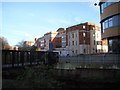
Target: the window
(73, 35)
(99, 43)
(83, 26)
(110, 22)
(69, 36)
(84, 41)
(76, 42)
(104, 5)
(106, 23)
(72, 42)
(76, 51)
(83, 34)
(84, 50)
(94, 42)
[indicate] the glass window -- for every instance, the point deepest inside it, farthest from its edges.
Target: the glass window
(73, 35)
(69, 43)
(84, 26)
(101, 9)
(110, 23)
(102, 25)
(72, 42)
(106, 23)
(105, 4)
(83, 34)
(84, 41)
(94, 42)
(113, 21)
(69, 36)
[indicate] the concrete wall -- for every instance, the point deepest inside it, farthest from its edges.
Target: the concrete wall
(110, 58)
(89, 73)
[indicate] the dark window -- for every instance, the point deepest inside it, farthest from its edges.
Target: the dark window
(99, 43)
(72, 42)
(94, 42)
(73, 35)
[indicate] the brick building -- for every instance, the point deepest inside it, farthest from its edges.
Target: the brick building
(51, 40)
(84, 38)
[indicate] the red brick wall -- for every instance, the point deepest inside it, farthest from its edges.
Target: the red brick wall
(57, 42)
(86, 38)
(81, 38)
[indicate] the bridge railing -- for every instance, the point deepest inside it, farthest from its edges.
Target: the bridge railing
(13, 58)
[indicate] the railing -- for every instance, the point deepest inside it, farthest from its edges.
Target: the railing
(13, 58)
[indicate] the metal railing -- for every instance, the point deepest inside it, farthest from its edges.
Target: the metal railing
(13, 58)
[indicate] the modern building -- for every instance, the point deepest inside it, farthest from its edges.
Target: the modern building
(110, 24)
(84, 38)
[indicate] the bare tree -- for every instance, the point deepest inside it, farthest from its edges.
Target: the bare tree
(4, 43)
(22, 46)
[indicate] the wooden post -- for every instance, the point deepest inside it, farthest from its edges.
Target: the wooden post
(38, 57)
(13, 58)
(27, 55)
(5, 53)
(31, 57)
(22, 57)
(17, 58)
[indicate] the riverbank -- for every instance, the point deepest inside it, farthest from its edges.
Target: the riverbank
(48, 77)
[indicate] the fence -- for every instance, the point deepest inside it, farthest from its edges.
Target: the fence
(13, 58)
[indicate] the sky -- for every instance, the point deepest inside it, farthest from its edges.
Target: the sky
(27, 20)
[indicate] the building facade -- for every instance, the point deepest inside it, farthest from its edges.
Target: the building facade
(29, 43)
(50, 40)
(110, 24)
(84, 38)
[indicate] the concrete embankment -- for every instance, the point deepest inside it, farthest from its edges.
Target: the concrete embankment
(89, 73)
